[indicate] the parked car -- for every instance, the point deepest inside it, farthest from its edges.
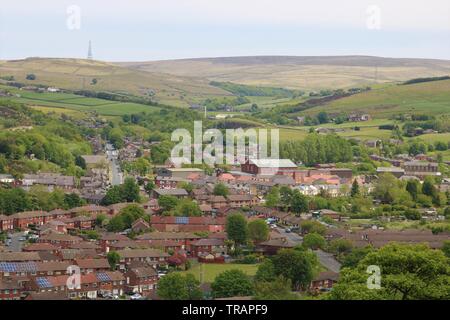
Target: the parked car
(136, 296)
(287, 230)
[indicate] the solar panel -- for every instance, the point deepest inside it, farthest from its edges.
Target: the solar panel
(182, 220)
(103, 277)
(43, 283)
(8, 267)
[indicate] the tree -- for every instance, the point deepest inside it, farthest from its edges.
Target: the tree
(232, 283)
(175, 286)
(309, 226)
(236, 228)
(266, 271)
(285, 196)
(31, 76)
(130, 214)
(352, 259)
(221, 190)
(273, 198)
(294, 265)
(408, 272)
(355, 189)
(340, 246)
(313, 241)
(279, 289)
(258, 230)
(167, 202)
(73, 200)
(149, 186)
(113, 259)
(130, 190)
(299, 202)
(187, 208)
(412, 186)
(113, 195)
(446, 248)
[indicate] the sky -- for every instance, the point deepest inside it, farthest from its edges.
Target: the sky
(141, 30)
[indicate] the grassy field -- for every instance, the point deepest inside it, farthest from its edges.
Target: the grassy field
(305, 73)
(210, 271)
(74, 102)
(421, 98)
(76, 74)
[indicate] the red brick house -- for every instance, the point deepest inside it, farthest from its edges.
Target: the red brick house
(6, 223)
(241, 200)
(110, 238)
(92, 265)
(23, 220)
(178, 240)
(211, 246)
(10, 289)
(188, 224)
(152, 257)
(324, 280)
(267, 166)
(141, 280)
(90, 285)
(59, 239)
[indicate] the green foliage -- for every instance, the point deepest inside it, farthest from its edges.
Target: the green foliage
(355, 189)
(299, 202)
(254, 91)
(313, 241)
(278, 289)
(317, 148)
(294, 265)
(175, 286)
(340, 246)
(352, 259)
(310, 226)
(113, 259)
(258, 230)
(126, 218)
(232, 283)
(167, 202)
(266, 271)
(273, 197)
(408, 272)
(446, 248)
(236, 228)
(127, 192)
(221, 190)
(187, 208)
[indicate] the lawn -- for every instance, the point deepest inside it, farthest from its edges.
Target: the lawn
(210, 271)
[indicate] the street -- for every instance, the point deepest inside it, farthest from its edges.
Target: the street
(16, 245)
(116, 174)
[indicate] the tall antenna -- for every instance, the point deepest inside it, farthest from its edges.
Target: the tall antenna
(89, 56)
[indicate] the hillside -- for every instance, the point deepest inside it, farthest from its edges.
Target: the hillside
(426, 98)
(78, 74)
(304, 73)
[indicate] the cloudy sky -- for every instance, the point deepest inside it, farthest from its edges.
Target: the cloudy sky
(165, 29)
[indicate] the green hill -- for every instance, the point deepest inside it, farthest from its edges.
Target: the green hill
(77, 74)
(431, 98)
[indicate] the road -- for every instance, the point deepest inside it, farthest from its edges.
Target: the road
(328, 261)
(16, 245)
(292, 236)
(116, 173)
